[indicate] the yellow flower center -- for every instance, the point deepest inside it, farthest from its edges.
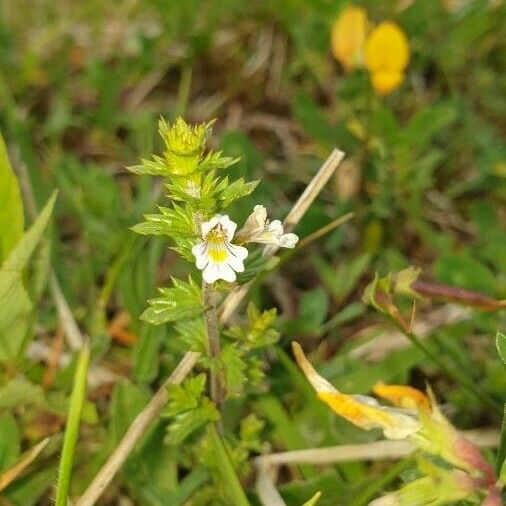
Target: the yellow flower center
(216, 243)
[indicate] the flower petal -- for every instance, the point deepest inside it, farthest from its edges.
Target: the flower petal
(200, 253)
(228, 226)
(255, 224)
(288, 240)
(236, 256)
(226, 272)
(211, 273)
(402, 396)
(319, 383)
(359, 410)
(207, 226)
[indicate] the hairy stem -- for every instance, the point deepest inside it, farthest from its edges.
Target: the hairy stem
(213, 344)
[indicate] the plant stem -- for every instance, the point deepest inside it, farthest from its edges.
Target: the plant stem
(213, 344)
(72, 429)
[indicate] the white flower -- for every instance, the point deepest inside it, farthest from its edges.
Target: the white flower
(260, 230)
(215, 255)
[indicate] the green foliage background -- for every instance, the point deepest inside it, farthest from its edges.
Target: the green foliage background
(82, 86)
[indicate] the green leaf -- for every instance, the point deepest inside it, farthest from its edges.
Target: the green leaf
(256, 263)
(173, 222)
(15, 304)
(27, 490)
(10, 440)
(259, 331)
(226, 472)
(185, 397)
(19, 392)
(187, 423)
(428, 122)
(72, 427)
(313, 308)
(500, 341)
(235, 368)
(465, 271)
(11, 209)
(313, 499)
(234, 191)
(126, 402)
(181, 301)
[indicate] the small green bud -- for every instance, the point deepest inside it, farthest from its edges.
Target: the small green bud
(403, 280)
(184, 145)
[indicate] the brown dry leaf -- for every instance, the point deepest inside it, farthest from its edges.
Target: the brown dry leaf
(118, 329)
(347, 180)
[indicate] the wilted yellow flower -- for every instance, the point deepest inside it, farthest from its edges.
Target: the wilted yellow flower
(362, 411)
(402, 396)
(348, 37)
(386, 57)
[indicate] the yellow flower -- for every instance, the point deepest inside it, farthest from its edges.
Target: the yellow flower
(348, 37)
(362, 411)
(386, 57)
(402, 396)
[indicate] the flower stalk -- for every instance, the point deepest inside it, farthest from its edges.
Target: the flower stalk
(213, 344)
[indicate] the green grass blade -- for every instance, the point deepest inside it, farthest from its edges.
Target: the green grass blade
(229, 481)
(72, 428)
(501, 451)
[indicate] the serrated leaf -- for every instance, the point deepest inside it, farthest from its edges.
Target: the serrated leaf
(215, 160)
(234, 191)
(174, 222)
(185, 397)
(15, 304)
(181, 301)
(234, 367)
(193, 334)
(187, 423)
(259, 331)
(11, 209)
(500, 341)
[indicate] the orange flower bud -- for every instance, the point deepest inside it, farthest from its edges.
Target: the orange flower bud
(386, 57)
(348, 37)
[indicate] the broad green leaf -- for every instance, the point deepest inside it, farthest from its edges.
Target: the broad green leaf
(181, 301)
(500, 341)
(465, 271)
(19, 392)
(146, 351)
(15, 304)
(11, 207)
(10, 440)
